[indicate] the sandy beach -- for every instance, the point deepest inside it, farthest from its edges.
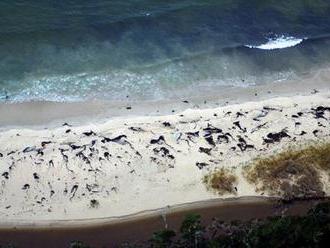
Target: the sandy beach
(131, 164)
(119, 118)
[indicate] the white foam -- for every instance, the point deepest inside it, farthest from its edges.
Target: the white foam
(279, 42)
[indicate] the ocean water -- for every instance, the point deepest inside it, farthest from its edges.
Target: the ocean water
(76, 50)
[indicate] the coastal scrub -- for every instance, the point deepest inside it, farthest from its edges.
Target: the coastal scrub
(291, 173)
(221, 181)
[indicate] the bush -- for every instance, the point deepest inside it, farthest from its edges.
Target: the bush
(191, 230)
(292, 173)
(162, 239)
(221, 181)
(78, 244)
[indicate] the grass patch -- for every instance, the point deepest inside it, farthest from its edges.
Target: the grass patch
(292, 173)
(221, 181)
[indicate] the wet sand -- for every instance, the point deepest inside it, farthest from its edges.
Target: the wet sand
(51, 114)
(140, 227)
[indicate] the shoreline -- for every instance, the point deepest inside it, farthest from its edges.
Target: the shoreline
(43, 114)
(140, 227)
(145, 214)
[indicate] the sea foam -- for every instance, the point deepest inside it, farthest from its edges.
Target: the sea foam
(279, 42)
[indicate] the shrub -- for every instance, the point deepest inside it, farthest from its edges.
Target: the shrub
(78, 244)
(221, 181)
(162, 239)
(191, 230)
(292, 173)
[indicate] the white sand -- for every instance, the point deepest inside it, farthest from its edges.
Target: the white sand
(139, 175)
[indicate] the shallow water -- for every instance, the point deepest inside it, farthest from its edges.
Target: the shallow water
(152, 50)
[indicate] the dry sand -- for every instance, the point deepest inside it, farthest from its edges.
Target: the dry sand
(133, 164)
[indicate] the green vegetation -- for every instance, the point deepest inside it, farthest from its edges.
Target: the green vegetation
(312, 230)
(162, 239)
(292, 173)
(78, 244)
(8, 246)
(191, 230)
(221, 181)
(191, 234)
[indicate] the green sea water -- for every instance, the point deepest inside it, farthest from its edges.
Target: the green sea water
(76, 50)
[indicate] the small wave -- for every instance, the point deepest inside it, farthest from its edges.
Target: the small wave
(279, 42)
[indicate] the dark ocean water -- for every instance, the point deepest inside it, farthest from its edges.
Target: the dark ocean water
(69, 50)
